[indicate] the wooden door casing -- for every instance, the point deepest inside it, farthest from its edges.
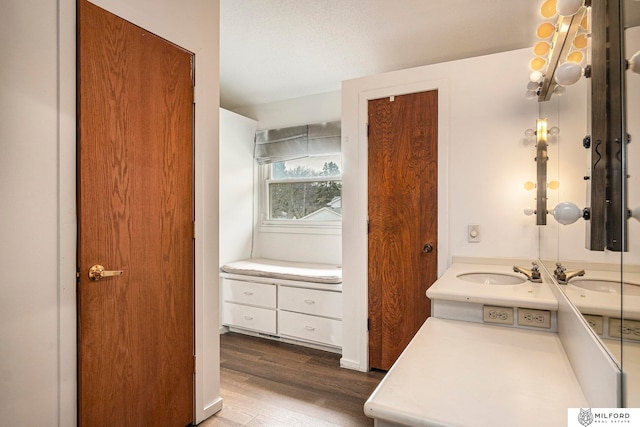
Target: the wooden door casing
(135, 214)
(403, 213)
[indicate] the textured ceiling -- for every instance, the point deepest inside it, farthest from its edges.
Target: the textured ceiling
(272, 50)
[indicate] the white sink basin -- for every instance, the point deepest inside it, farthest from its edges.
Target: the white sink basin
(492, 278)
(606, 286)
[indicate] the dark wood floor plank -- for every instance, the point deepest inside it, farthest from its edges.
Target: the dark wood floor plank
(269, 383)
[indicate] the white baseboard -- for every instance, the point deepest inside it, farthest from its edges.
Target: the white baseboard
(210, 410)
(352, 364)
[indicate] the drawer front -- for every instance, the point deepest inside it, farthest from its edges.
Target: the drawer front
(311, 328)
(254, 318)
(258, 294)
(310, 301)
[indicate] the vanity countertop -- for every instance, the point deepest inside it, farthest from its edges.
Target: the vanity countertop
(606, 303)
(531, 295)
(461, 373)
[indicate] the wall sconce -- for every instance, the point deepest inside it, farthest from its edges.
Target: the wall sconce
(541, 133)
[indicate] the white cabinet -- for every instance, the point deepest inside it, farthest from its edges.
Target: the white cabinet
(303, 312)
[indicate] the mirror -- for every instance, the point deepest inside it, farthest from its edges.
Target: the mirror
(617, 292)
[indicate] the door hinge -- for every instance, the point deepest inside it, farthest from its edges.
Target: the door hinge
(368, 227)
(368, 324)
(78, 274)
(194, 364)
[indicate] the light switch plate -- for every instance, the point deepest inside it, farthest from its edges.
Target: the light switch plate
(473, 233)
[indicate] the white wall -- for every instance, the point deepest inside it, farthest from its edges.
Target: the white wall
(29, 253)
(482, 168)
(37, 189)
(237, 171)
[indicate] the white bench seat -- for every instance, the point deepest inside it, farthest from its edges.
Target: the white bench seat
(286, 270)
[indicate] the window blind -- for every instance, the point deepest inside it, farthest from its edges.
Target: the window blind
(276, 145)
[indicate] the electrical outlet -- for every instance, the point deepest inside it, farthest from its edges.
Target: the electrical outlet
(534, 318)
(627, 329)
(596, 322)
(473, 233)
(501, 315)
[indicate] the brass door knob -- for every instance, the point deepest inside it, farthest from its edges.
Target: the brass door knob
(97, 272)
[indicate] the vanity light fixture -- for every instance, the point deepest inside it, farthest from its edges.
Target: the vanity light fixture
(561, 42)
(541, 134)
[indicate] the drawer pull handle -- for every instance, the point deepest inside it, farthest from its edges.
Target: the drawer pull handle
(248, 317)
(310, 328)
(309, 301)
(248, 293)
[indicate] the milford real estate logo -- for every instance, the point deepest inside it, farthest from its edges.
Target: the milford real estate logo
(585, 417)
(603, 416)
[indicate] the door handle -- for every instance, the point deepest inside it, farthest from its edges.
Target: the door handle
(97, 272)
(428, 247)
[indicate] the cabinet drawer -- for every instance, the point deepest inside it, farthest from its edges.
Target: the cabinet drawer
(310, 301)
(311, 328)
(254, 318)
(258, 294)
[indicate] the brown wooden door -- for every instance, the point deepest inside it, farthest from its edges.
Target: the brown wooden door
(403, 218)
(135, 214)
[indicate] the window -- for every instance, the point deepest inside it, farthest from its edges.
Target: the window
(303, 192)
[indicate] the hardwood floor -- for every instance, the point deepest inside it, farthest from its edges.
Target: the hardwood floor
(268, 383)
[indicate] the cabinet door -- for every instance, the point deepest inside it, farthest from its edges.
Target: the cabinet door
(310, 301)
(257, 294)
(246, 317)
(310, 328)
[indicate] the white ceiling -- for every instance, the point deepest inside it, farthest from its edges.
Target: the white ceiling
(272, 50)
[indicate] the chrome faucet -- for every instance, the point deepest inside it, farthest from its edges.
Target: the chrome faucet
(563, 276)
(533, 274)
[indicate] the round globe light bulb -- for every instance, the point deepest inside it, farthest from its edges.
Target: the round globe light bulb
(548, 9)
(553, 185)
(545, 30)
(575, 56)
(568, 7)
(537, 63)
(568, 73)
(536, 76)
(566, 213)
(531, 94)
(541, 48)
(529, 133)
(529, 185)
(560, 90)
(554, 131)
(584, 24)
(580, 42)
(634, 63)
(533, 86)
(635, 212)
(529, 212)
